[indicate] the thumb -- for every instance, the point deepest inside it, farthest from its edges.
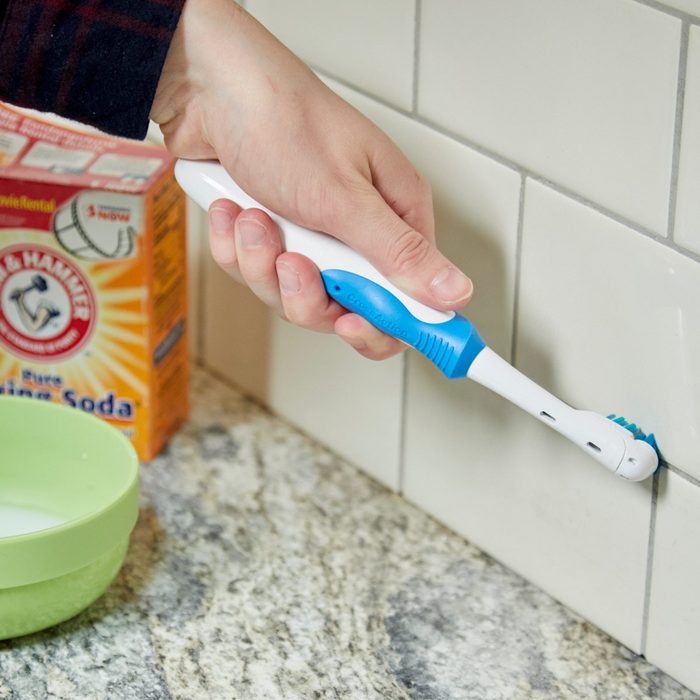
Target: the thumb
(402, 254)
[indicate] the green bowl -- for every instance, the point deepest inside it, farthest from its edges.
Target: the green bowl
(68, 503)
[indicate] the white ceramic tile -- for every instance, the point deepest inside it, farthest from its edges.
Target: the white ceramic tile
(580, 91)
(366, 43)
(692, 7)
(610, 319)
(154, 134)
(351, 404)
(236, 331)
(196, 240)
(688, 206)
(673, 638)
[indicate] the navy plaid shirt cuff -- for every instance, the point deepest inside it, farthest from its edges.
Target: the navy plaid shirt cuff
(95, 61)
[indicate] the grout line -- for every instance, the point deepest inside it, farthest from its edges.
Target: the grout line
(203, 251)
(650, 563)
(231, 384)
(416, 54)
(684, 475)
(678, 129)
(518, 167)
(402, 423)
(518, 259)
(654, 5)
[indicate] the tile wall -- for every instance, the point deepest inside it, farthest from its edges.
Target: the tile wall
(562, 141)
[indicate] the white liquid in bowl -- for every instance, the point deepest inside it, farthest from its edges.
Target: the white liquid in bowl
(16, 520)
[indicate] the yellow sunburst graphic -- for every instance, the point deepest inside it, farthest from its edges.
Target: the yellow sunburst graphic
(114, 359)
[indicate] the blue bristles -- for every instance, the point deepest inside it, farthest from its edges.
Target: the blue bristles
(637, 432)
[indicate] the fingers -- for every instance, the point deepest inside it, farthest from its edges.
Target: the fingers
(303, 295)
(222, 215)
(306, 304)
(247, 245)
(366, 339)
(258, 245)
(364, 220)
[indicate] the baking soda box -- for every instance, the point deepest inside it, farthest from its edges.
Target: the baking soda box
(93, 277)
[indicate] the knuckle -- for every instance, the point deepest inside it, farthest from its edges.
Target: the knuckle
(408, 251)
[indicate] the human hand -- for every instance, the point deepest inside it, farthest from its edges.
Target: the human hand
(230, 91)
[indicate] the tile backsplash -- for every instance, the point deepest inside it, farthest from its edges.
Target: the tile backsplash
(562, 141)
(369, 43)
(687, 223)
(582, 93)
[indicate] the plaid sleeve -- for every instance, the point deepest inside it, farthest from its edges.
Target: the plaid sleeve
(95, 61)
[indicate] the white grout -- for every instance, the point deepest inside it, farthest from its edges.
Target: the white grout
(678, 128)
(402, 420)
(650, 563)
(690, 479)
(691, 19)
(202, 252)
(518, 258)
(416, 55)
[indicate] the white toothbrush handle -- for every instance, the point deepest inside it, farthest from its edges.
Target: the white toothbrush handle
(206, 181)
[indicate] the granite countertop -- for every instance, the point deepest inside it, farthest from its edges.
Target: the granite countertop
(263, 566)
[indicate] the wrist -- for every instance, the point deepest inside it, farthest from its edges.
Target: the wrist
(207, 29)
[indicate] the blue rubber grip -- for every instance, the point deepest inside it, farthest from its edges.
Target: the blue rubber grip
(451, 346)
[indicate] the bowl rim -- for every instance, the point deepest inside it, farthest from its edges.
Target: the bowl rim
(59, 549)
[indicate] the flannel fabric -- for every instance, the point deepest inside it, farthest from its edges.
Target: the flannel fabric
(95, 61)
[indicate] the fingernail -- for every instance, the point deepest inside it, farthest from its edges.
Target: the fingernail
(450, 286)
(221, 221)
(251, 233)
(289, 279)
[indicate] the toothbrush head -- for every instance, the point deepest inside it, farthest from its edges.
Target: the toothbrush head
(640, 461)
(637, 432)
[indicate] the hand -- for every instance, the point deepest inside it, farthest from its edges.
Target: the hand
(230, 91)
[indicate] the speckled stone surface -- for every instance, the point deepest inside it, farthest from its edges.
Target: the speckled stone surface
(263, 566)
